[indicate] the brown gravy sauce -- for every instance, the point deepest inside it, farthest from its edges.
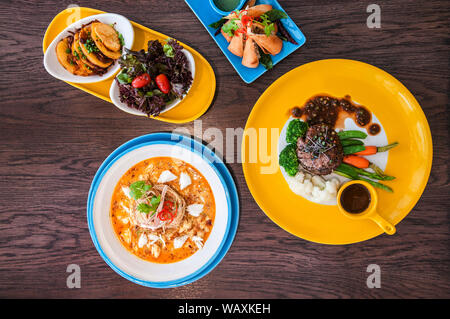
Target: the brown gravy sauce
(333, 111)
(355, 198)
(374, 129)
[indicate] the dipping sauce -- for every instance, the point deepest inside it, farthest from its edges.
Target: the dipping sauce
(374, 129)
(324, 109)
(355, 198)
(226, 5)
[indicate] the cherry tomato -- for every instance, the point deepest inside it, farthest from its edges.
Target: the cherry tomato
(163, 83)
(141, 81)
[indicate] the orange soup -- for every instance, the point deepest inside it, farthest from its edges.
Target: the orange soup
(163, 210)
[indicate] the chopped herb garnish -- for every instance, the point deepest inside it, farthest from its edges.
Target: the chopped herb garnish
(269, 26)
(231, 27)
(155, 200)
(151, 207)
(90, 46)
(144, 208)
(268, 29)
(121, 39)
(138, 189)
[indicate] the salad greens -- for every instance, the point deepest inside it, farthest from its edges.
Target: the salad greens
(165, 59)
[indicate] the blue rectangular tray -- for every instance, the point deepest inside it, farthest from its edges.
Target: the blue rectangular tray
(205, 13)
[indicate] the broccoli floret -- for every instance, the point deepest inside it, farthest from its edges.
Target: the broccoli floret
(289, 160)
(296, 128)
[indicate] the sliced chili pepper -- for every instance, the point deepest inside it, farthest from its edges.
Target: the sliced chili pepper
(241, 30)
(246, 20)
(167, 212)
(165, 215)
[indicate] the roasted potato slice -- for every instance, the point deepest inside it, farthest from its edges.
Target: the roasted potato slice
(65, 57)
(76, 40)
(99, 43)
(107, 35)
(80, 58)
(93, 57)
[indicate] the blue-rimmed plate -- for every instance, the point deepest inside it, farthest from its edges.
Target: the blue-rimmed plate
(227, 210)
(206, 14)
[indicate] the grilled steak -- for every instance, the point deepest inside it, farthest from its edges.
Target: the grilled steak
(320, 151)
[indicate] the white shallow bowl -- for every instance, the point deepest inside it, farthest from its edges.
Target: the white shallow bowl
(114, 93)
(118, 255)
(54, 68)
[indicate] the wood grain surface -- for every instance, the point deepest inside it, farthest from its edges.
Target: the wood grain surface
(54, 137)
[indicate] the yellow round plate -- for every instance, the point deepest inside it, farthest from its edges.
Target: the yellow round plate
(403, 121)
(194, 104)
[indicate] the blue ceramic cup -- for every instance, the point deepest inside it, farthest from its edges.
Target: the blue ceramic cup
(224, 13)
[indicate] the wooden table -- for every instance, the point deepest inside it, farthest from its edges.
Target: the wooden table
(54, 137)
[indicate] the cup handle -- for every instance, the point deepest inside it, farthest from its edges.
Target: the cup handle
(383, 224)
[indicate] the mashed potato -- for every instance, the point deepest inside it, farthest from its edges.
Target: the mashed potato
(314, 187)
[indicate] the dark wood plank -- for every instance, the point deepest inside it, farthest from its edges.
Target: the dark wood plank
(54, 138)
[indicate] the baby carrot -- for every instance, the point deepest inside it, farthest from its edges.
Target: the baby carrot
(368, 150)
(371, 150)
(357, 161)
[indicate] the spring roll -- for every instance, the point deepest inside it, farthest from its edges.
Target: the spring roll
(271, 44)
(253, 12)
(237, 45)
(250, 58)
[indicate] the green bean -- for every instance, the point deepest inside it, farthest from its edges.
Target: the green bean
(351, 134)
(350, 141)
(343, 174)
(363, 172)
(380, 172)
(376, 184)
(346, 174)
(353, 149)
(347, 171)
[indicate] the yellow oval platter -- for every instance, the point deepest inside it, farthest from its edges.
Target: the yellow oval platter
(403, 121)
(194, 104)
